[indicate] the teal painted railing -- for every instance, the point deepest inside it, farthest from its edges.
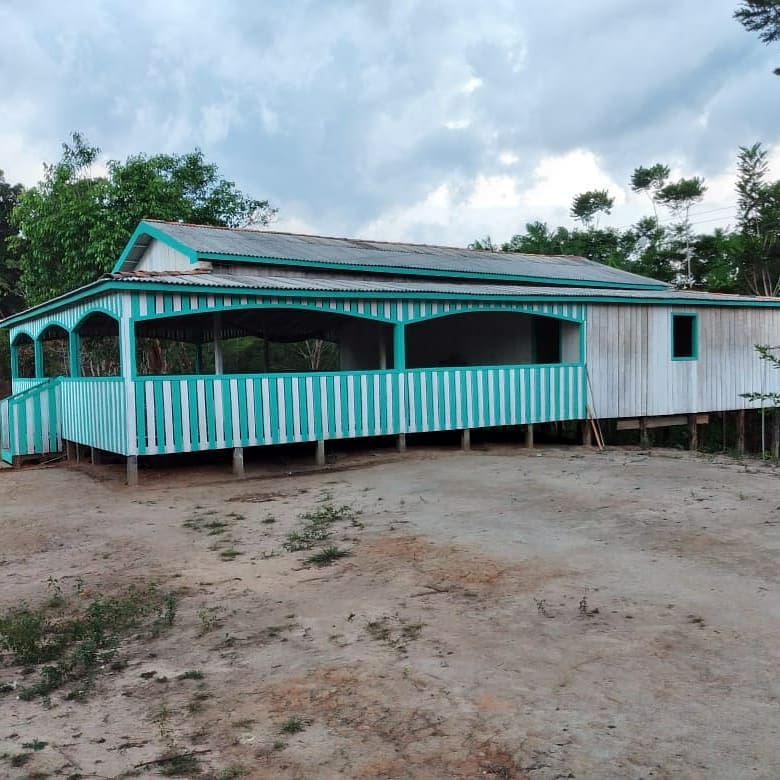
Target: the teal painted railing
(22, 385)
(95, 412)
(29, 421)
(191, 413)
(185, 414)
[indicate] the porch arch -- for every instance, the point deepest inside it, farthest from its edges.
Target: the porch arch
(23, 356)
(95, 345)
(55, 350)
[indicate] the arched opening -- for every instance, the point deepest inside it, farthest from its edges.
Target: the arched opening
(56, 358)
(491, 338)
(23, 357)
(261, 340)
(97, 341)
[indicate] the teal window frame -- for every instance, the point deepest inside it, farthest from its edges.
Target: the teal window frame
(694, 317)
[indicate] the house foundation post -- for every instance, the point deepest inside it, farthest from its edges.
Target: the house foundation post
(465, 439)
(587, 440)
(400, 442)
(95, 456)
(644, 439)
(529, 436)
(776, 434)
(238, 462)
(319, 453)
(132, 471)
(693, 433)
(740, 433)
(70, 450)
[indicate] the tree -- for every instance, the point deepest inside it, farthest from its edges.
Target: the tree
(650, 180)
(73, 225)
(10, 300)
(588, 205)
(763, 17)
(758, 218)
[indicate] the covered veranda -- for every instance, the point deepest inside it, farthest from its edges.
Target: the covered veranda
(145, 365)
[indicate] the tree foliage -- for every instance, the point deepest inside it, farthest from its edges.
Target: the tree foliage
(10, 300)
(763, 17)
(588, 205)
(74, 224)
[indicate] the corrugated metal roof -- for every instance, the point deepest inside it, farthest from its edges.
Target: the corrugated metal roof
(376, 256)
(379, 286)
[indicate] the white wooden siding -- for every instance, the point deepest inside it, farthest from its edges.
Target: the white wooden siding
(629, 357)
(161, 257)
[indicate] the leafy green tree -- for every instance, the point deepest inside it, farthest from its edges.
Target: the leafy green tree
(73, 225)
(650, 180)
(588, 205)
(758, 218)
(10, 300)
(763, 17)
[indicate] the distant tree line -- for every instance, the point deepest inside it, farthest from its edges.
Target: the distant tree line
(742, 259)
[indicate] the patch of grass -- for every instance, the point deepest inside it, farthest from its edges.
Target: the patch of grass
(6, 688)
(317, 526)
(35, 745)
(211, 618)
(395, 632)
(245, 723)
(75, 644)
(327, 556)
(293, 725)
(20, 759)
(179, 765)
(192, 674)
(269, 520)
(196, 703)
(229, 554)
(279, 745)
(230, 773)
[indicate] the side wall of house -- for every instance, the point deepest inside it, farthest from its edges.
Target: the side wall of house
(632, 373)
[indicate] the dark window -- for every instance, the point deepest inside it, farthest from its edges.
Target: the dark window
(547, 340)
(683, 336)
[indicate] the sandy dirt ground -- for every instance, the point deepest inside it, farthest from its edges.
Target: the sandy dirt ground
(504, 613)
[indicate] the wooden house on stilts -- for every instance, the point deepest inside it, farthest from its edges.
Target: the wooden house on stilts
(429, 339)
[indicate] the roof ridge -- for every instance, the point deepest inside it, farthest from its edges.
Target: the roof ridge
(481, 252)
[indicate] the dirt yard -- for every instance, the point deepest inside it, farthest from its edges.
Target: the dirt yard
(503, 613)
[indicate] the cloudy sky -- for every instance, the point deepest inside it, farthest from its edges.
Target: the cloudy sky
(425, 120)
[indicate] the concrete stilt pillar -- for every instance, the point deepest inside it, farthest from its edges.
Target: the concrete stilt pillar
(319, 453)
(529, 436)
(132, 470)
(693, 433)
(238, 462)
(400, 442)
(644, 438)
(740, 433)
(465, 439)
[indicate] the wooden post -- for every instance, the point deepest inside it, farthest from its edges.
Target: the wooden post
(586, 434)
(644, 439)
(132, 471)
(400, 442)
(529, 436)
(319, 453)
(740, 433)
(693, 433)
(70, 450)
(776, 434)
(465, 439)
(238, 462)
(94, 456)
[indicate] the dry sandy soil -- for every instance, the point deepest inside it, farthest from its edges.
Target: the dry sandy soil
(504, 613)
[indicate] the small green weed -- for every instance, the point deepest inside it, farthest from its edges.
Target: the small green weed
(293, 725)
(192, 674)
(180, 765)
(229, 554)
(317, 526)
(35, 745)
(327, 556)
(230, 773)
